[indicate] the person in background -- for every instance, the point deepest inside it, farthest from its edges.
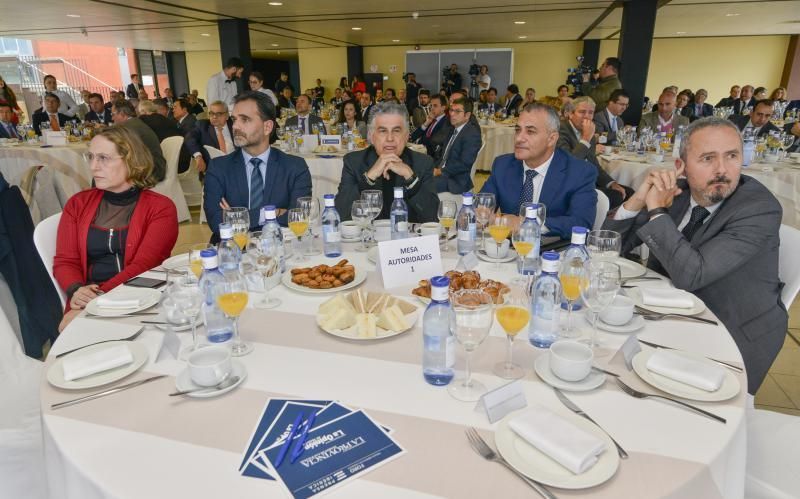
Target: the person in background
(682, 105)
(389, 94)
(435, 130)
(700, 108)
(169, 96)
(50, 114)
(378, 95)
(194, 106)
(336, 100)
(453, 170)
(482, 98)
(282, 82)
(412, 91)
(513, 100)
(365, 107)
(778, 95)
(222, 86)
(609, 120)
(162, 126)
(256, 82)
(760, 94)
(200, 101)
(83, 107)
(530, 97)
(664, 120)
(124, 115)
(343, 84)
(483, 79)
(758, 121)
(347, 118)
(319, 91)
(453, 80)
(733, 97)
(420, 113)
(490, 106)
(115, 230)
(347, 95)
(608, 82)
(134, 87)
(304, 120)
(8, 96)
(358, 85)
(7, 128)
(186, 120)
(744, 101)
(402, 98)
(163, 108)
(216, 131)
(68, 107)
(563, 95)
(98, 112)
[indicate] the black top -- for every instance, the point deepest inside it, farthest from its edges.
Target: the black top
(107, 235)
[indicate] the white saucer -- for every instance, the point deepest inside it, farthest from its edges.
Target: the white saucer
(590, 382)
(184, 382)
(635, 324)
(510, 257)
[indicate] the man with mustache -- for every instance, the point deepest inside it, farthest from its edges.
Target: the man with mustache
(715, 234)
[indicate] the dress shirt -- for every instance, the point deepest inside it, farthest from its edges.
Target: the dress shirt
(304, 121)
(612, 121)
(698, 110)
(623, 214)
(264, 157)
(219, 88)
(450, 144)
(226, 134)
(664, 125)
(751, 126)
(580, 137)
(538, 181)
(433, 123)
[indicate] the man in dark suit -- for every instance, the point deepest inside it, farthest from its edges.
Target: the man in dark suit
(98, 112)
(453, 170)
(7, 129)
(539, 172)
(420, 112)
(715, 234)
(757, 120)
(132, 92)
(124, 115)
(185, 119)
(285, 100)
(513, 100)
(576, 136)
(491, 105)
(255, 175)
(50, 114)
(744, 101)
(216, 131)
(304, 119)
(435, 131)
(365, 107)
(387, 164)
(162, 126)
(609, 120)
(453, 80)
(699, 109)
(728, 101)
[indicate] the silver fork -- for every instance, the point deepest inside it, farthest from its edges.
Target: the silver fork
(641, 395)
(480, 446)
(129, 338)
(655, 316)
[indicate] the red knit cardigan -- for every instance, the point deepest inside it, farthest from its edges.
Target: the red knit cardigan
(152, 233)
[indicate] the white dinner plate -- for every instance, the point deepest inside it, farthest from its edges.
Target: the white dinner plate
(536, 465)
(148, 296)
(590, 382)
(698, 307)
(177, 262)
(510, 257)
(55, 374)
(286, 279)
(729, 389)
(351, 332)
(169, 327)
(636, 323)
(629, 269)
(184, 382)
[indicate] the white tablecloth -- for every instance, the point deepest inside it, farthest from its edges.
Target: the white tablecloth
(498, 139)
(141, 443)
(17, 160)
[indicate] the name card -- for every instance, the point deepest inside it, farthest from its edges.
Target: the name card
(501, 401)
(53, 138)
(331, 140)
(629, 349)
(309, 143)
(467, 262)
(406, 261)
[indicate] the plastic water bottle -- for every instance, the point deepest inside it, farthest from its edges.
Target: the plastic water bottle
(219, 328)
(749, 148)
(466, 223)
(331, 236)
(529, 232)
(676, 146)
(439, 354)
(399, 215)
(271, 227)
(229, 253)
(576, 250)
(546, 303)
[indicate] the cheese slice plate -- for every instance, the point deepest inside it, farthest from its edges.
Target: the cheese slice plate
(390, 316)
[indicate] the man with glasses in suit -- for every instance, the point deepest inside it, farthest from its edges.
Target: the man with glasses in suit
(609, 120)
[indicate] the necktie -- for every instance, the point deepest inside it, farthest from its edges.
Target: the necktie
(11, 132)
(221, 140)
(256, 185)
(695, 222)
(527, 187)
(613, 120)
(54, 123)
(447, 149)
(303, 125)
(430, 129)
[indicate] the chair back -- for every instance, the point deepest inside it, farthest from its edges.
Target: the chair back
(44, 238)
(213, 152)
(475, 163)
(789, 264)
(603, 205)
(170, 186)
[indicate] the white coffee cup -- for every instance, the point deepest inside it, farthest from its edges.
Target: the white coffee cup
(655, 158)
(619, 312)
(209, 365)
(383, 230)
(350, 229)
(491, 249)
(570, 360)
(771, 158)
(430, 229)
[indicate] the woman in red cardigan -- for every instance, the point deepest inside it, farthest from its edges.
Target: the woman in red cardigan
(116, 230)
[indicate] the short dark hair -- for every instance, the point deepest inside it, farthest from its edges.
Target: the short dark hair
(257, 75)
(492, 89)
(125, 107)
(306, 97)
(424, 91)
(160, 103)
(411, 74)
(560, 87)
(96, 96)
(764, 102)
(52, 96)
(266, 109)
(134, 75)
(234, 62)
(441, 98)
(615, 63)
(616, 94)
(47, 77)
(182, 103)
(467, 103)
(513, 88)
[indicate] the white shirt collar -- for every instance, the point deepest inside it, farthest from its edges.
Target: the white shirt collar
(611, 116)
(541, 169)
(575, 130)
(459, 128)
(662, 121)
(264, 157)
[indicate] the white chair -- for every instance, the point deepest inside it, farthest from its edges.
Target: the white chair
(190, 185)
(170, 187)
(457, 198)
(213, 152)
(602, 210)
(475, 163)
(773, 467)
(789, 264)
(44, 238)
(21, 454)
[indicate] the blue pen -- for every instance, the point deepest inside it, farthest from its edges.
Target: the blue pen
(301, 442)
(288, 442)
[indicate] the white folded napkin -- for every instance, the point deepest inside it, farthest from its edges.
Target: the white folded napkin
(119, 301)
(666, 297)
(693, 372)
(565, 443)
(78, 366)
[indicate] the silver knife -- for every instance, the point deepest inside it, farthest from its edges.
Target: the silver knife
(732, 367)
(577, 410)
(106, 392)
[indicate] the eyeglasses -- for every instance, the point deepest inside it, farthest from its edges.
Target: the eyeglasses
(102, 159)
(214, 115)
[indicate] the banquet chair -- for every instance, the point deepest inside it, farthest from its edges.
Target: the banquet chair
(44, 238)
(475, 163)
(602, 210)
(789, 264)
(191, 185)
(773, 467)
(21, 453)
(170, 187)
(213, 152)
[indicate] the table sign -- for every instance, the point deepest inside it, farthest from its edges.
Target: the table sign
(503, 400)
(172, 344)
(309, 143)
(407, 261)
(467, 262)
(53, 138)
(331, 140)
(629, 349)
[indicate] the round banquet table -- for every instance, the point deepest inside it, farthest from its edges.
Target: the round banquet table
(142, 443)
(497, 139)
(16, 160)
(782, 178)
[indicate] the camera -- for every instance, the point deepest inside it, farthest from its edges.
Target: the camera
(405, 77)
(579, 76)
(474, 70)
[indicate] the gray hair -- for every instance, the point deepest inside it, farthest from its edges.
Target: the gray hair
(147, 107)
(551, 116)
(583, 98)
(709, 122)
(387, 108)
(219, 103)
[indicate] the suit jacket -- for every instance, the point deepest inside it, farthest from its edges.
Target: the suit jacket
(150, 139)
(455, 177)
(726, 102)
(651, 120)
(422, 201)
(568, 142)
(512, 106)
(40, 117)
(740, 105)
(493, 108)
(204, 134)
(438, 139)
(690, 111)
(741, 121)
(283, 102)
(788, 129)
(132, 91)
(104, 117)
(4, 133)
(418, 116)
(312, 120)
(731, 263)
(364, 113)
(188, 123)
(568, 190)
(287, 179)
(603, 125)
(162, 126)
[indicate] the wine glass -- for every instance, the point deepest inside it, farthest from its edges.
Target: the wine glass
(181, 305)
(374, 200)
(310, 205)
(513, 314)
(298, 224)
(485, 203)
(787, 140)
(361, 213)
(195, 260)
(447, 218)
(471, 315)
(539, 208)
(239, 218)
(231, 296)
(604, 245)
(269, 268)
(599, 286)
(499, 229)
(571, 275)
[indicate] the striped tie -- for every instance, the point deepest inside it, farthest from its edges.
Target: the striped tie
(256, 185)
(527, 187)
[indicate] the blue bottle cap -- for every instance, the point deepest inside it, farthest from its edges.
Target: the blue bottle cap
(208, 252)
(579, 230)
(550, 255)
(328, 196)
(467, 195)
(440, 281)
(270, 207)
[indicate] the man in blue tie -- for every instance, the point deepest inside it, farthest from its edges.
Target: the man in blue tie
(255, 175)
(7, 130)
(538, 172)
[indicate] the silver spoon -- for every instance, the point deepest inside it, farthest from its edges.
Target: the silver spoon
(225, 383)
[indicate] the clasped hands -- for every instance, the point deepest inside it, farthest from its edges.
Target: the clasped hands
(387, 163)
(658, 190)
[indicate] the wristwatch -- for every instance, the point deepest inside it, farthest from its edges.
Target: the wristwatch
(651, 214)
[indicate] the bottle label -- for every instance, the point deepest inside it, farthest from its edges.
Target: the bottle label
(579, 238)
(440, 293)
(402, 226)
(467, 235)
(331, 236)
(550, 266)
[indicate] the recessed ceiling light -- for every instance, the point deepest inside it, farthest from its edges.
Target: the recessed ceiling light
(356, 28)
(273, 44)
(204, 34)
(519, 22)
(73, 15)
(395, 41)
(522, 37)
(276, 4)
(680, 32)
(732, 15)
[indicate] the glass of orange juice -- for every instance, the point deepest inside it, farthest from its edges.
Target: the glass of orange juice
(239, 218)
(499, 229)
(513, 314)
(231, 297)
(570, 275)
(195, 261)
(298, 224)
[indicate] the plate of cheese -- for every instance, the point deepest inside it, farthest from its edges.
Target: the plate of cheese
(366, 316)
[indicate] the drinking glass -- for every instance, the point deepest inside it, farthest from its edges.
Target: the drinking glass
(571, 275)
(310, 205)
(447, 218)
(232, 297)
(471, 315)
(374, 200)
(499, 229)
(269, 268)
(298, 224)
(540, 210)
(239, 218)
(604, 245)
(787, 139)
(513, 314)
(195, 260)
(599, 286)
(181, 305)
(361, 214)
(485, 203)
